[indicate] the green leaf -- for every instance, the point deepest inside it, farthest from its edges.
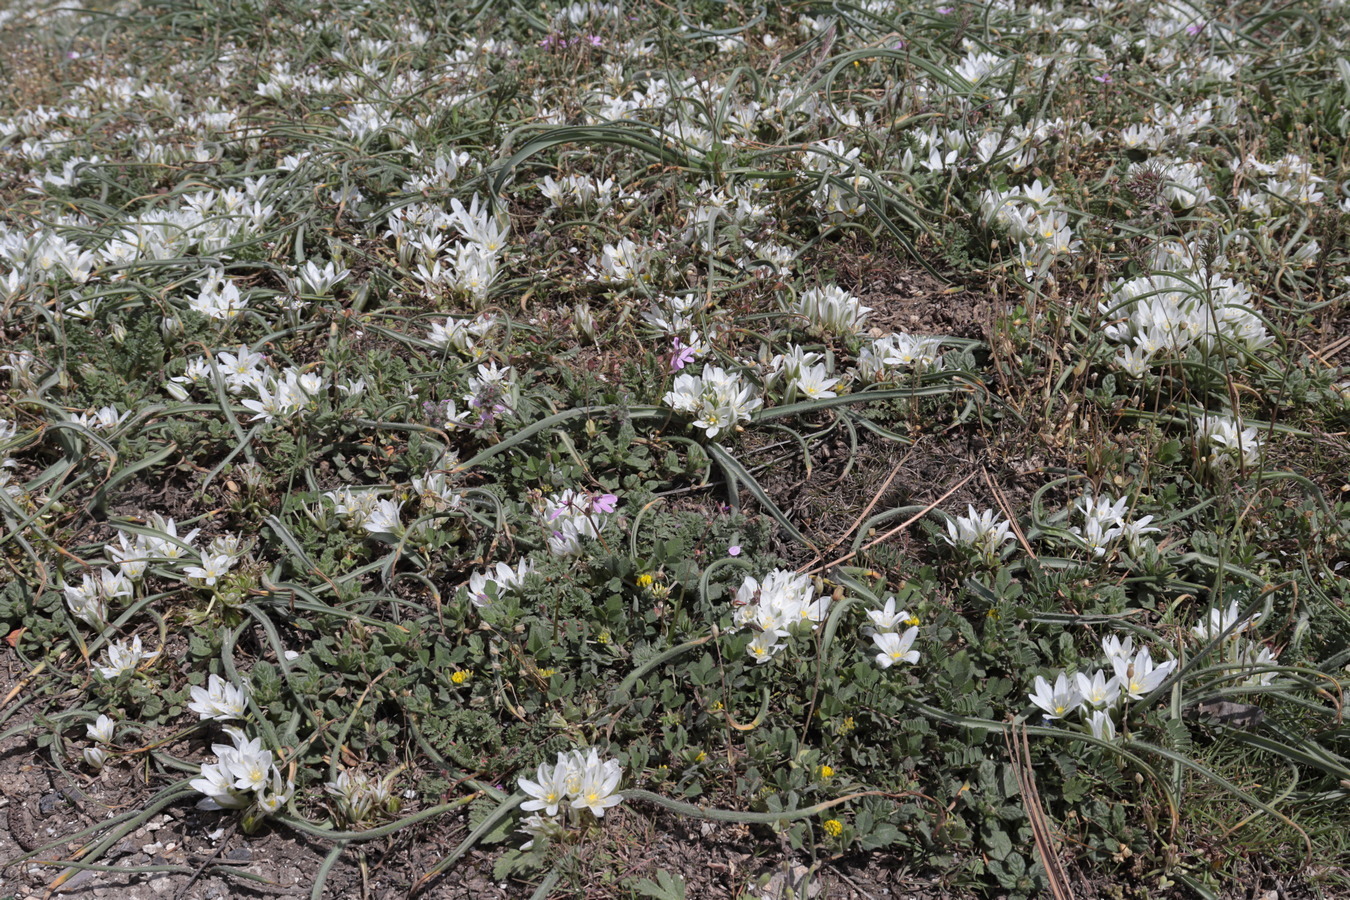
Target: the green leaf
(665, 887)
(997, 842)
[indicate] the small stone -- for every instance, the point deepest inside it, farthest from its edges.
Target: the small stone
(48, 804)
(240, 854)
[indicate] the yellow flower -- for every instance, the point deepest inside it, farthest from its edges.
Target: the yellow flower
(604, 636)
(847, 725)
(833, 827)
(912, 620)
(827, 771)
(645, 581)
(460, 676)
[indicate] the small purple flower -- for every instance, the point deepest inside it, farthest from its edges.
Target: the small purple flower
(734, 550)
(594, 39)
(1104, 79)
(604, 503)
(1195, 28)
(945, 10)
(682, 356)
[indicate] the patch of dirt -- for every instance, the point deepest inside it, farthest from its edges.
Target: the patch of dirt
(1000, 471)
(905, 297)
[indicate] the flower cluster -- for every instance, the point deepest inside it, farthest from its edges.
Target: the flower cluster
(801, 372)
(980, 534)
(773, 607)
(892, 644)
(1097, 696)
(717, 399)
(463, 335)
(358, 797)
(124, 657)
(1104, 522)
(466, 268)
(839, 194)
(576, 782)
(885, 357)
(622, 263)
(243, 776)
(1224, 444)
(831, 308)
(1037, 227)
(1165, 313)
(89, 601)
(1248, 661)
(573, 516)
(219, 700)
(279, 394)
(101, 733)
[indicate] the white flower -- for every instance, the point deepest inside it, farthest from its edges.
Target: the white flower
(888, 617)
(1097, 690)
(1224, 442)
(814, 384)
(880, 359)
(131, 553)
(359, 795)
(1253, 657)
(781, 600)
(86, 601)
(549, 789)
(166, 542)
(219, 700)
(124, 657)
(764, 647)
(718, 399)
(244, 773)
(101, 731)
(275, 793)
(500, 579)
(831, 308)
(249, 765)
(983, 532)
(384, 518)
(1116, 649)
(216, 782)
(1140, 676)
(1218, 621)
(599, 783)
(1058, 700)
(1101, 725)
(895, 647)
(214, 567)
(310, 279)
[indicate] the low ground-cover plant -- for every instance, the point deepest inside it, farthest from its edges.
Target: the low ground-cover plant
(887, 428)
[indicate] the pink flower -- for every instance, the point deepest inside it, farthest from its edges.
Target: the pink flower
(734, 550)
(682, 356)
(604, 503)
(1195, 29)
